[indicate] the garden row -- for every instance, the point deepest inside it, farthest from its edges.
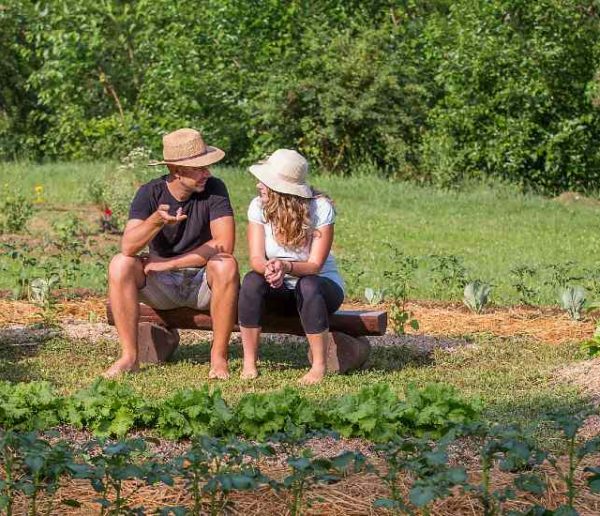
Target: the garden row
(415, 472)
(109, 408)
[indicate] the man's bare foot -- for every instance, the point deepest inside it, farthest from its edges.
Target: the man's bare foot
(120, 367)
(315, 375)
(218, 371)
(249, 372)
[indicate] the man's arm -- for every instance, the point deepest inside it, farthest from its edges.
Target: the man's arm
(223, 241)
(138, 232)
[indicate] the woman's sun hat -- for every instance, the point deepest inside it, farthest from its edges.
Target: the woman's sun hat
(284, 171)
(186, 148)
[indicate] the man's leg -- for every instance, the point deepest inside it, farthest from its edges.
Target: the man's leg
(223, 279)
(125, 278)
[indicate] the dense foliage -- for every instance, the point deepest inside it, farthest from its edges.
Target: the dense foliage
(110, 408)
(432, 90)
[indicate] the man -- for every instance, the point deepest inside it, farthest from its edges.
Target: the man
(186, 219)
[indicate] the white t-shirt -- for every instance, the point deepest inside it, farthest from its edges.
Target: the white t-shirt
(321, 214)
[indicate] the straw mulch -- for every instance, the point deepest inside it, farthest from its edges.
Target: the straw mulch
(351, 496)
(450, 320)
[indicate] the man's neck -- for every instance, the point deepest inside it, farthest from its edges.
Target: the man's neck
(176, 190)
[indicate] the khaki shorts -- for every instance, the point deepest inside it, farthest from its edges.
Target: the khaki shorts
(174, 289)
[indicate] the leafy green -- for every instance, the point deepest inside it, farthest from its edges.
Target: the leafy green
(28, 406)
(108, 408)
(260, 415)
(436, 408)
(192, 412)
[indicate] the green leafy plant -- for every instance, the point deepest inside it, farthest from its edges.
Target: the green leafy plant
(306, 470)
(476, 295)
(427, 464)
(399, 285)
(44, 464)
(435, 409)
(572, 299)
(193, 412)
(108, 465)
(523, 277)
(15, 211)
(66, 232)
(374, 296)
(29, 406)
(449, 274)
(216, 467)
(108, 407)
(264, 414)
(569, 426)
(372, 413)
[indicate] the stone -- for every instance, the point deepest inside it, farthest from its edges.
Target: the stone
(156, 344)
(345, 353)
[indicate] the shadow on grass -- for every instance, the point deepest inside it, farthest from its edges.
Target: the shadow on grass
(17, 347)
(289, 352)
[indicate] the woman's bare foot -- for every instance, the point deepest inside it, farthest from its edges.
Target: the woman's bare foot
(120, 367)
(249, 372)
(315, 375)
(218, 371)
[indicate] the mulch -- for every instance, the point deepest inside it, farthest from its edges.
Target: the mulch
(542, 324)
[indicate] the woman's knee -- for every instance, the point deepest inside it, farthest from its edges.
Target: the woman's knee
(308, 287)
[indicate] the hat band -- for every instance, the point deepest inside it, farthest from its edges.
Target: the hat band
(186, 158)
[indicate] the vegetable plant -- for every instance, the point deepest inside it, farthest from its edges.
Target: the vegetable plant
(476, 295)
(572, 299)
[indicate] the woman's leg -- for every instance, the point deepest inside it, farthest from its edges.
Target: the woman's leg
(250, 309)
(316, 298)
(255, 296)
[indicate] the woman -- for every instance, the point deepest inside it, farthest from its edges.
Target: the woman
(290, 232)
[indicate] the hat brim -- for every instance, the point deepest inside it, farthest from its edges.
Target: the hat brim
(210, 157)
(266, 175)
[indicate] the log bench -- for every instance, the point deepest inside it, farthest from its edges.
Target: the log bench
(348, 348)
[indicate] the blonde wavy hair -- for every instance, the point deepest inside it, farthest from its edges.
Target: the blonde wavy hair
(289, 215)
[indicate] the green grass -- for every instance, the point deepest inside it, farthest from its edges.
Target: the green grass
(491, 230)
(513, 377)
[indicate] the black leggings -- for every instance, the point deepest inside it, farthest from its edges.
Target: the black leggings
(314, 298)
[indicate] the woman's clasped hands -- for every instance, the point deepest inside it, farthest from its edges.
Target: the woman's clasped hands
(275, 271)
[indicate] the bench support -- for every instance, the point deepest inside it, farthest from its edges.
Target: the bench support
(345, 353)
(156, 344)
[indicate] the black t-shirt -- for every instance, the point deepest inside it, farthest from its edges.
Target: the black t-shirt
(201, 208)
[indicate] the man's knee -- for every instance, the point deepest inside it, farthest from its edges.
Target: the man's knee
(223, 268)
(123, 267)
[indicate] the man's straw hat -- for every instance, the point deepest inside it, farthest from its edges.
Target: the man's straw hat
(186, 148)
(285, 171)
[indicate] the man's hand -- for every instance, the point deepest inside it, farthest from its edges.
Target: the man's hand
(165, 218)
(153, 263)
(275, 272)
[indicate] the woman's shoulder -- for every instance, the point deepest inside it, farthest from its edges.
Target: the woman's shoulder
(324, 210)
(255, 211)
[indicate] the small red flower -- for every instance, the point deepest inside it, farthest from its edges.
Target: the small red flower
(107, 211)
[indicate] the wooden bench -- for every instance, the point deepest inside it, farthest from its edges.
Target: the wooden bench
(348, 348)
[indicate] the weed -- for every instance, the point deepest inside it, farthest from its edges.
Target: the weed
(15, 211)
(399, 281)
(449, 274)
(523, 282)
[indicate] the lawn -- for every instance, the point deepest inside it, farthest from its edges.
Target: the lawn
(484, 232)
(481, 233)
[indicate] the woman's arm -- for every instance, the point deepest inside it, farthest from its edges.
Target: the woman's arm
(319, 251)
(256, 247)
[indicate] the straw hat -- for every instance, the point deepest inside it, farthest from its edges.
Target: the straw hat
(186, 148)
(285, 172)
